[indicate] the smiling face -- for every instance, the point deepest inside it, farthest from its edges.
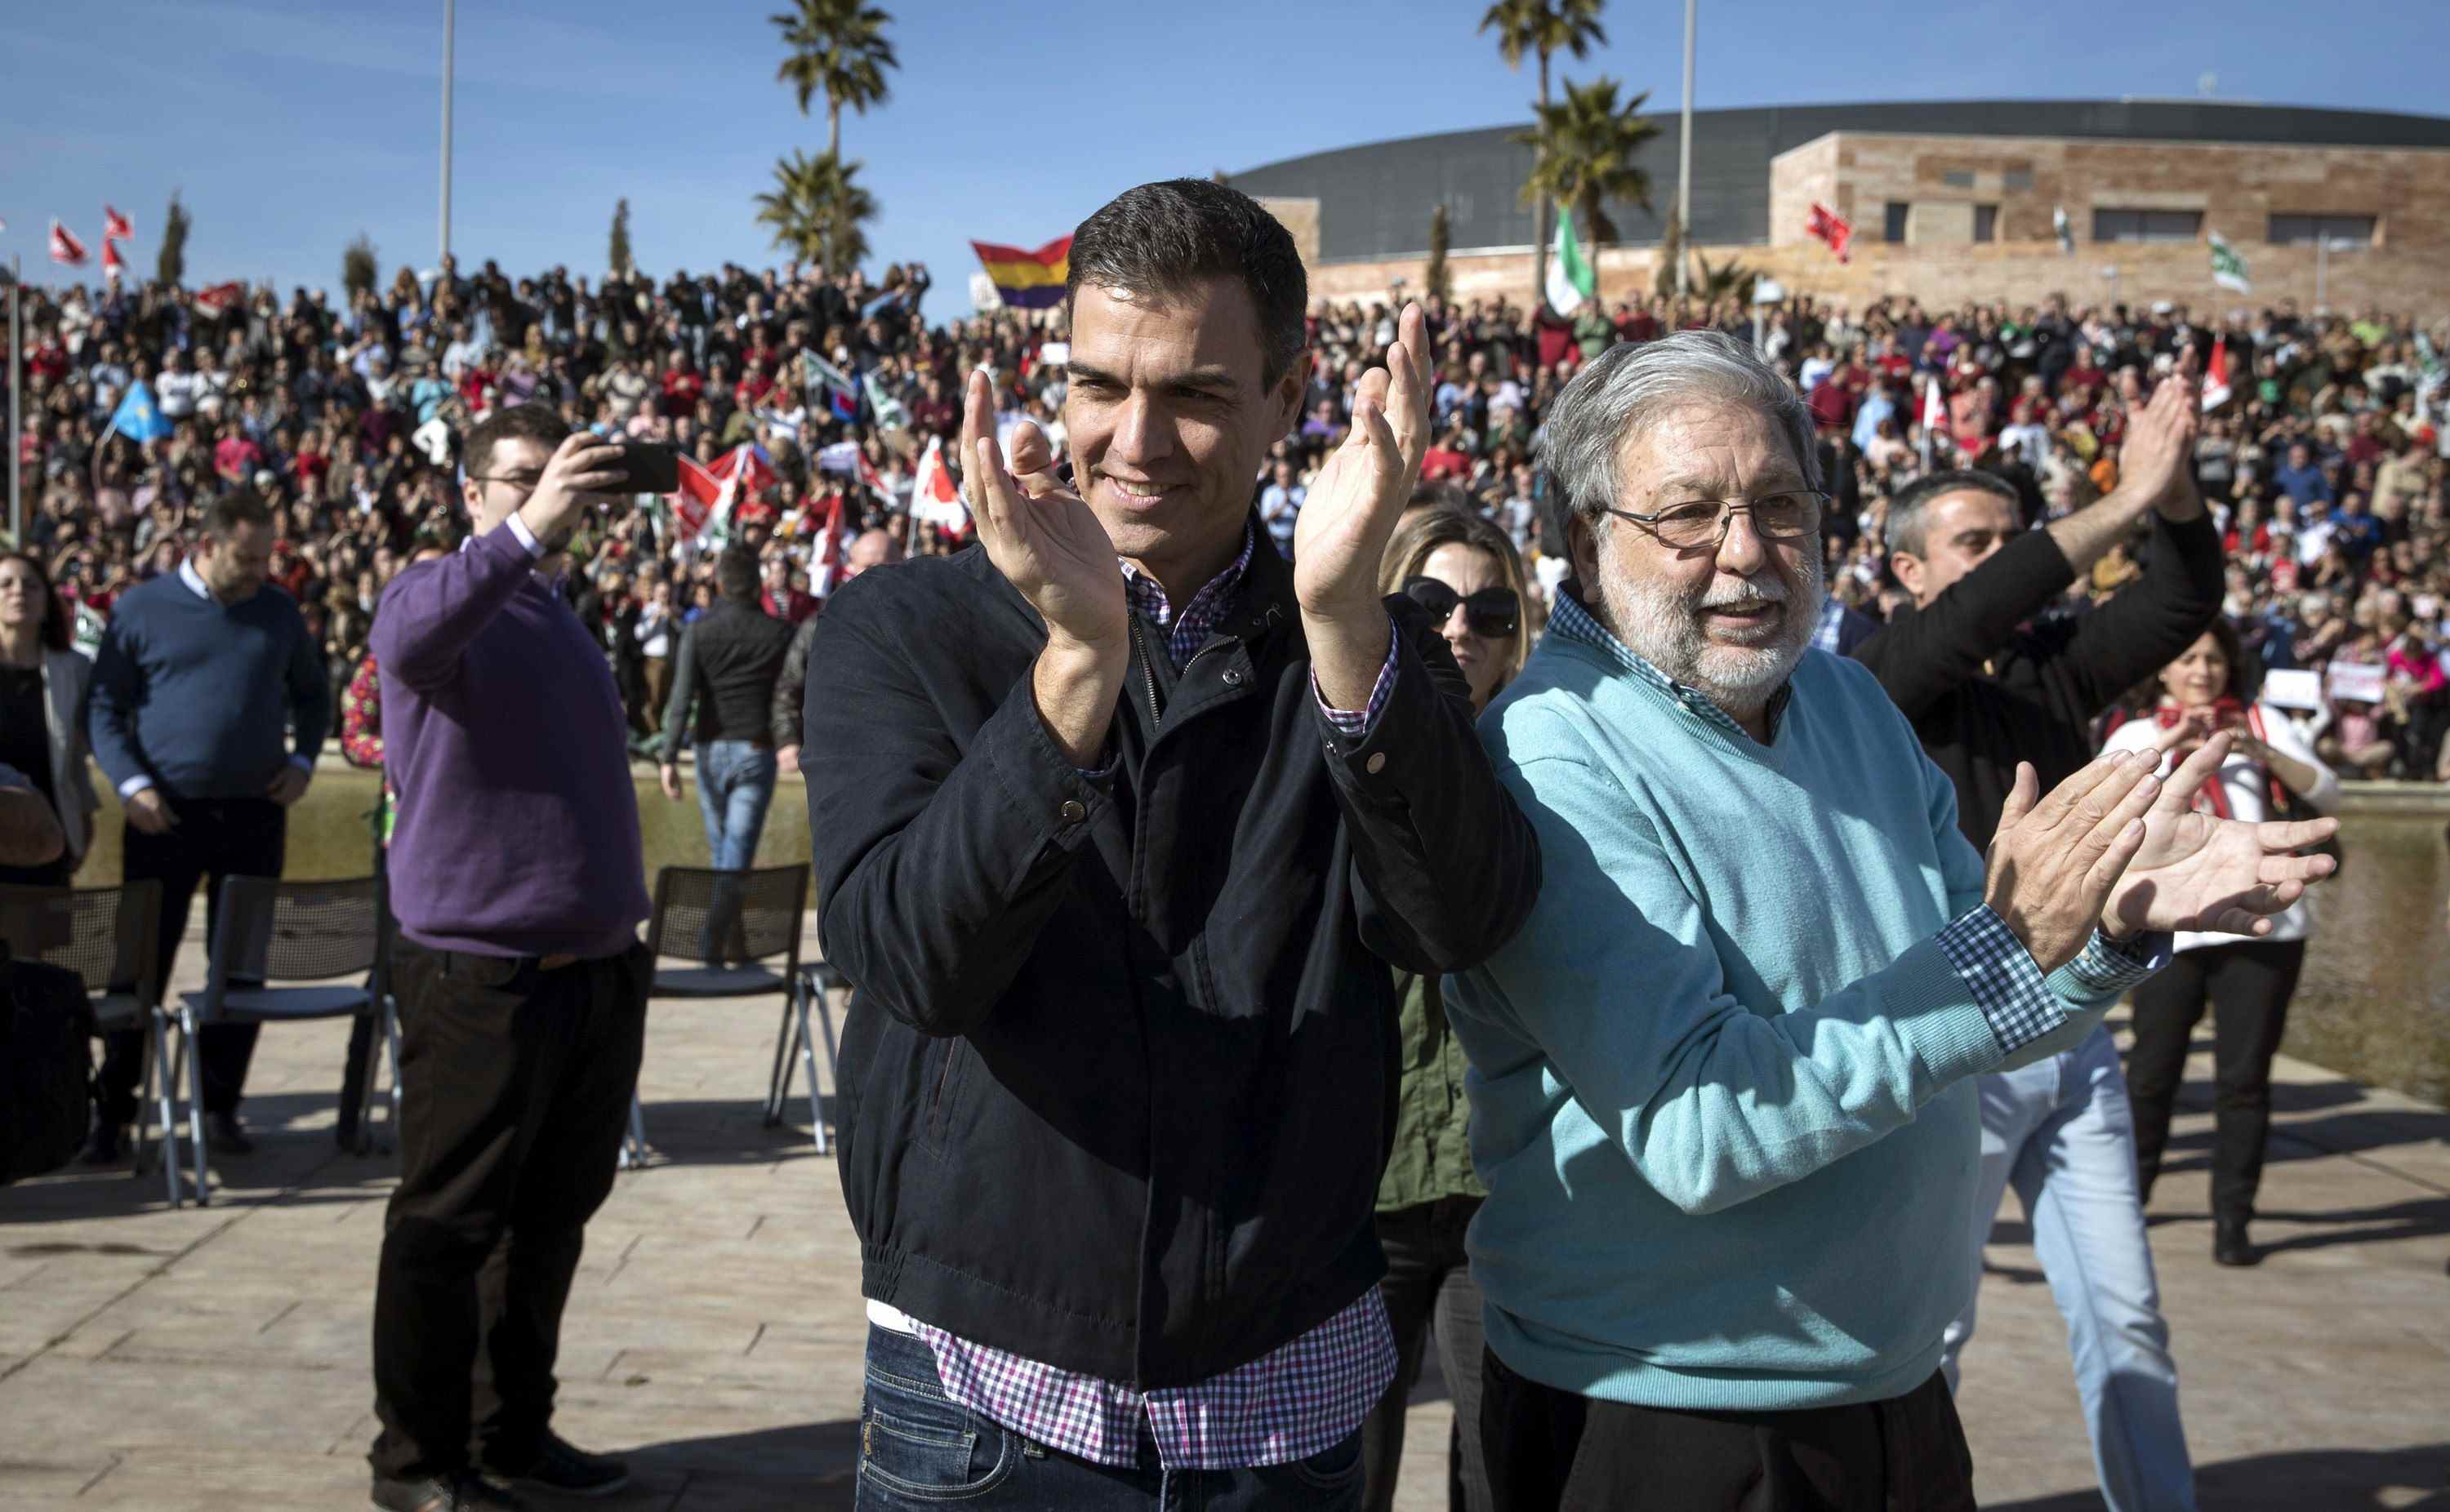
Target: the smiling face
(1168, 417)
(2200, 675)
(1731, 621)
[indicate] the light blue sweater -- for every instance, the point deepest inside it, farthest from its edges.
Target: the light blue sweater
(1719, 1082)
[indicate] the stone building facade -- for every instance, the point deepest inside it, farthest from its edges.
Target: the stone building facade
(2332, 209)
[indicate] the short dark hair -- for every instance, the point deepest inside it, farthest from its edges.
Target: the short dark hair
(1904, 530)
(1161, 237)
(239, 507)
(735, 572)
(513, 423)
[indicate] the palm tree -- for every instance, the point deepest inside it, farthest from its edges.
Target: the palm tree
(1581, 154)
(838, 49)
(1542, 28)
(816, 208)
(1729, 279)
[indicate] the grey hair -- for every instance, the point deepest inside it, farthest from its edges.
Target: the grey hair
(1903, 530)
(1628, 386)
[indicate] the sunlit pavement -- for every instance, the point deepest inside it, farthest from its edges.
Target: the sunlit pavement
(213, 1357)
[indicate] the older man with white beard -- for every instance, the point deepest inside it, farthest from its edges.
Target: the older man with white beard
(1721, 1083)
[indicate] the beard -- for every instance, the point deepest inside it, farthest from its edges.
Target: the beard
(1663, 625)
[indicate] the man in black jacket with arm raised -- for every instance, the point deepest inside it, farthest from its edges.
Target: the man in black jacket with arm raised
(1121, 820)
(1986, 687)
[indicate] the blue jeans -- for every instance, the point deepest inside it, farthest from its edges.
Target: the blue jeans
(735, 782)
(919, 1449)
(2062, 1131)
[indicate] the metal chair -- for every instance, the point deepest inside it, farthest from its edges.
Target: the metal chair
(734, 923)
(271, 932)
(110, 937)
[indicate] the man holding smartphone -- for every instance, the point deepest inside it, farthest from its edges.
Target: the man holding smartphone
(517, 880)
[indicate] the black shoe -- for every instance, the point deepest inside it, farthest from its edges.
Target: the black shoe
(226, 1134)
(454, 1493)
(2230, 1246)
(565, 1469)
(102, 1147)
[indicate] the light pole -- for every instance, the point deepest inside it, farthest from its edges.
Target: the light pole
(447, 29)
(1685, 164)
(16, 425)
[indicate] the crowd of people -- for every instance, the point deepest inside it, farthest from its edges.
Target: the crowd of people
(2324, 465)
(2030, 530)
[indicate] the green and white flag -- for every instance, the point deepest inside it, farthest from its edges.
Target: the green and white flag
(2064, 230)
(1571, 278)
(2228, 269)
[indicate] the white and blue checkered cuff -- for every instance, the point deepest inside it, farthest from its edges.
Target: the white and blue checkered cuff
(2108, 967)
(2007, 982)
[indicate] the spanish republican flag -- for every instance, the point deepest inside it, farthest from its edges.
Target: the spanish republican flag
(1027, 281)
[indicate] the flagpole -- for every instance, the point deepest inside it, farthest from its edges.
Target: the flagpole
(16, 424)
(1685, 166)
(448, 20)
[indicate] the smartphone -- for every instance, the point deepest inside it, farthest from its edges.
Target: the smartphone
(650, 469)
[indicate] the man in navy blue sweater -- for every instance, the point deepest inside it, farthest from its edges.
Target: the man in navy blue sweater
(197, 678)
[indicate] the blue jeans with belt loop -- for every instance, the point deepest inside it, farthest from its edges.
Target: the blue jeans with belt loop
(2062, 1131)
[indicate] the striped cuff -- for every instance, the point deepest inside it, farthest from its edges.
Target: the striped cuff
(2005, 981)
(1355, 724)
(2108, 967)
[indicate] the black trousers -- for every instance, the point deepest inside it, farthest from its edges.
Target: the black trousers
(1429, 1277)
(2247, 985)
(1557, 1452)
(215, 838)
(516, 1083)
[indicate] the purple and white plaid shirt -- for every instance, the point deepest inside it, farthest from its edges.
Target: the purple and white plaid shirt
(1296, 1399)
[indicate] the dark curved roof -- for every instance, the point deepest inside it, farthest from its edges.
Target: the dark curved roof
(1374, 200)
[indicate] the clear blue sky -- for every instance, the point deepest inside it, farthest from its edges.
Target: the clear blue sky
(290, 125)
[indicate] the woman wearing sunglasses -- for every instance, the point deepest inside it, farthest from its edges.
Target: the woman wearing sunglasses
(1464, 571)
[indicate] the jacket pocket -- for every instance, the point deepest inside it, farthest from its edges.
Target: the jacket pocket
(943, 1088)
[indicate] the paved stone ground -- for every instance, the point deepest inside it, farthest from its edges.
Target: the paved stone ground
(217, 1357)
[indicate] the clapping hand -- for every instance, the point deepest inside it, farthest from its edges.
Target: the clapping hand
(2195, 870)
(1353, 503)
(2158, 454)
(1039, 533)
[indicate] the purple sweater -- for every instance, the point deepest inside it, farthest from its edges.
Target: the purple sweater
(517, 825)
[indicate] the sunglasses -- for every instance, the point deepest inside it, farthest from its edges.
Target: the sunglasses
(1493, 614)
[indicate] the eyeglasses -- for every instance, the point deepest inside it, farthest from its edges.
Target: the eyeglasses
(1494, 613)
(526, 483)
(1703, 521)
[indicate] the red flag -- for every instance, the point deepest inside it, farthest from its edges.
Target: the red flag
(694, 502)
(2216, 388)
(1828, 226)
(746, 465)
(934, 500)
(64, 247)
(219, 297)
(826, 564)
(115, 224)
(113, 266)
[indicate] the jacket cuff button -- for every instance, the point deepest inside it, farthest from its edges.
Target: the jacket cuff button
(1376, 763)
(1073, 811)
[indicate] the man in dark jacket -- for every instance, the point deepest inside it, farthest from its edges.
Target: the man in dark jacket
(879, 548)
(1118, 862)
(724, 674)
(1987, 688)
